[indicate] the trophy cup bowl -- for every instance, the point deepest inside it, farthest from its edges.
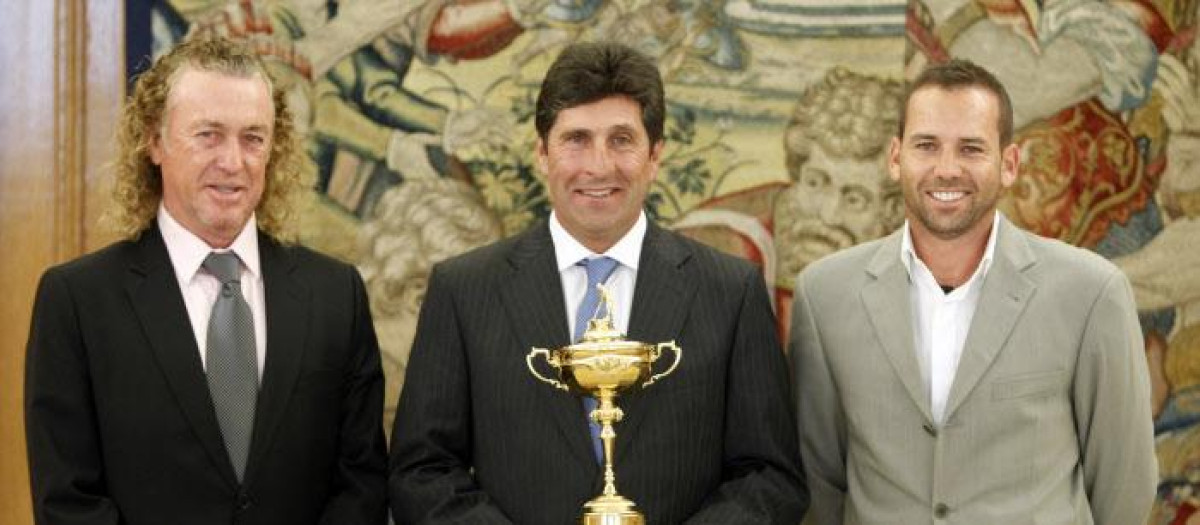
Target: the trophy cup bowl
(602, 365)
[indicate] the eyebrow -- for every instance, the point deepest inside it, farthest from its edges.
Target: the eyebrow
(627, 128)
(257, 128)
(966, 140)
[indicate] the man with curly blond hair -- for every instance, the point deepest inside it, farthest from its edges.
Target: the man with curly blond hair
(204, 369)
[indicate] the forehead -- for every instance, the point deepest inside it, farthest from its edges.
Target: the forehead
(209, 95)
(607, 113)
(957, 112)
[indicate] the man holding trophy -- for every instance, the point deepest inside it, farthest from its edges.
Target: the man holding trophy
(479, 438)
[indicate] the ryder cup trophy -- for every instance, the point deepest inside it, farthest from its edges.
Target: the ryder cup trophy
(602, 365)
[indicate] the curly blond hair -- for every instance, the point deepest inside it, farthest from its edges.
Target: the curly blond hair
(138, 187)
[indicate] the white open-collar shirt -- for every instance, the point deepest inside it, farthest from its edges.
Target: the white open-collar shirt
(201, 288)
(941, 320)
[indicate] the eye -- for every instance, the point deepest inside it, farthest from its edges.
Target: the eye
(622, 140)
(972, 150)
(814, 178)
(207, 137)
(856, 198)
(575, 138)
(255, 140)
(925, 145)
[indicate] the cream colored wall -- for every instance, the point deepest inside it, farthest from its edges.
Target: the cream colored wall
(62, 67)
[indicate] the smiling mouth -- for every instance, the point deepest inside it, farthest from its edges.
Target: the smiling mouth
(226, 190)
(947, 196)
(597, 194)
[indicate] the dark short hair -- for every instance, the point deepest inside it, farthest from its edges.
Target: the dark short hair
(588, 72)
(956, 74)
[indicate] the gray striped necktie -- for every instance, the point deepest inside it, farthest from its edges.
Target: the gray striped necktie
(232, 363)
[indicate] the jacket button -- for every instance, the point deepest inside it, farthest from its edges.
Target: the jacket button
(941, 510)
(930, 429)
(243, 502)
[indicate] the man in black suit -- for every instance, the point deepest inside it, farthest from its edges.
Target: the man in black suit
(478, 439)
(205, 371)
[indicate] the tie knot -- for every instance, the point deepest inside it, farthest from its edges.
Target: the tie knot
(598, 269)
(224, 266)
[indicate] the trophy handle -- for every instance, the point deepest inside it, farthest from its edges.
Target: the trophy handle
(551, 361)
(669, 345)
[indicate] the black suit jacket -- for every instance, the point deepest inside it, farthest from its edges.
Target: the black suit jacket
(477, 439)
(120, 424)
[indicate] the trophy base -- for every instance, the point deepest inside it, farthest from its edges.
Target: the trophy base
(611, 510)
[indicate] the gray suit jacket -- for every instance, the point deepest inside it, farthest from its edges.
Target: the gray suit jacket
(1048, 420)
(477, 439)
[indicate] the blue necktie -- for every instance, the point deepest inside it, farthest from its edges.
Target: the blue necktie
(598, 271)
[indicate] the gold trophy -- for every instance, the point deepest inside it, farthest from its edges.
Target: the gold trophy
(601, 365)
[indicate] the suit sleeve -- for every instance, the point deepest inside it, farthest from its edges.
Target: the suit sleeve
(65, 465)
(762, 476)
(360, 479)
(430, 479)
(1112, 410)
(822, 423)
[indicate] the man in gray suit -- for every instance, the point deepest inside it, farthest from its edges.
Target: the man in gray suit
(478, 439)
(962, 370)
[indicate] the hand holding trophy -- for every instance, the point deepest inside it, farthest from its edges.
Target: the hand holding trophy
(602, 364)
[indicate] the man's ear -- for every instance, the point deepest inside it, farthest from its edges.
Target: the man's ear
(893, 159)
(543, 158)
(1010, 162)
(656, 152)
(154, 146)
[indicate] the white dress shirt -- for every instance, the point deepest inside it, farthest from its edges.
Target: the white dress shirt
(626, 252)
(200, 288)
(941, 320)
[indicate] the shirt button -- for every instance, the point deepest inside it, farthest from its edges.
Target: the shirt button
(941, 510)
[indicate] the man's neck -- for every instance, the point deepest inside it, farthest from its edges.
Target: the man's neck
(951, 261)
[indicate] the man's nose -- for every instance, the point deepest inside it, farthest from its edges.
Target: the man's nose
(947, 164)
(230, 156)
(600, 160)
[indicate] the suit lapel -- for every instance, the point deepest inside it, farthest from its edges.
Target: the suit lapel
(660, 306)
(1006, 292)
(287, 303)
(533, 300)
(887, 302)
(154, 292)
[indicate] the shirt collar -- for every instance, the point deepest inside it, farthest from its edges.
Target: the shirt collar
(908, 254)
(188, 251)
(568, 251)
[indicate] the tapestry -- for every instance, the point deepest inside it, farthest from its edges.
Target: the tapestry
(417, 117)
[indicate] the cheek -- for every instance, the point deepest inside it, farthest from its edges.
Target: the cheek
(558, 169)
